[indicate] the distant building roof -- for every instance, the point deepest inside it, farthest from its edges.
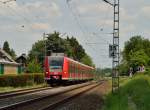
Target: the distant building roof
(22, 56)
(5, 58)
(22, 60)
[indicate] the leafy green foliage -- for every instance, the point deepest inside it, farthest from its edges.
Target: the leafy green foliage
(13, 54)
(34, 67)
(21, 80)
(139, 58)
(7, 49)
(123, 69)
(87, 60)
(136, 53)
(104, 72)
(54, 43)
(37, 52)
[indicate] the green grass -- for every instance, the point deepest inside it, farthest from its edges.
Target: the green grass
(134, 95)
(9, 89)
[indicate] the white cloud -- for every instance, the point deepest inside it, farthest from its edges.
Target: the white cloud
(40, 26)
(145, 11)
(125, 16)
(95, 8)
(106, 23)
(37, 8)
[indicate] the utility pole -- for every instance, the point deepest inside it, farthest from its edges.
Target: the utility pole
(45, 47)
(46, 52)
(115, 69)
(115, 47)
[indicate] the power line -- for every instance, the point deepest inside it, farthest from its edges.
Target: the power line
(14, 12)
(83, 31)
(83, 28)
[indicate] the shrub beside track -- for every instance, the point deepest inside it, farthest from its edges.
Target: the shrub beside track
(21, 80)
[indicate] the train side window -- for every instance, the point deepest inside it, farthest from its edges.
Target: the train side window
(77, 69)
(69, 67)
(73, 67)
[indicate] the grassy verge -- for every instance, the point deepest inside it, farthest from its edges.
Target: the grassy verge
(134, 95)
(9, 89)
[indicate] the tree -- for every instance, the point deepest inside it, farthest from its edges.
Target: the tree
(56, 44)
(87, 60)
(7, 49)
(131, 46)
(139, 58)
(136, 53)
(34, 67)
(13, 54)
(37, 52)
(77, 50)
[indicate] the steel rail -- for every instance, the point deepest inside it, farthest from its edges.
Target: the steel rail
(22, 92)
(66, 99)
(30, 101)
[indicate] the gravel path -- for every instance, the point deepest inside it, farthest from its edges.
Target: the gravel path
(91, 100)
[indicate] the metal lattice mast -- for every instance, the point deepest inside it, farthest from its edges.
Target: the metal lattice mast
(115, 62)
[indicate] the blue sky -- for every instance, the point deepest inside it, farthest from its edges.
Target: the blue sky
(23, 22)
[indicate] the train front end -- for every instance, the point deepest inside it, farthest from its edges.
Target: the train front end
(53, 68)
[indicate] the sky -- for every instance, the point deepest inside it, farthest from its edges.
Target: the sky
(23, 22)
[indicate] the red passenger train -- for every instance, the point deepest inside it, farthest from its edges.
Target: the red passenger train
(61, 68)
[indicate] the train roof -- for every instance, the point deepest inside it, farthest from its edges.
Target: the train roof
(72, 61)
(79, 63)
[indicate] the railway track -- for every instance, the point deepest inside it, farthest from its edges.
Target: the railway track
(63, 100)
(22, 92)
(50, 100)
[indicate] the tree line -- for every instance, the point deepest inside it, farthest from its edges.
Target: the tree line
(136, 53)
(52, 44)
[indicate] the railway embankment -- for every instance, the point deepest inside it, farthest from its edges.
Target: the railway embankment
(134, 95)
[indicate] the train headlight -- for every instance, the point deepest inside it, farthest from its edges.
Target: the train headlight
(46, 72)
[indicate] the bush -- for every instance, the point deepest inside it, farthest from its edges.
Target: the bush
(21, 80)
(34, 67)
(147, 72)
(38, 78)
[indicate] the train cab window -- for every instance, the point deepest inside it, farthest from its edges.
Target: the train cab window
(56, 64)
(73, 67)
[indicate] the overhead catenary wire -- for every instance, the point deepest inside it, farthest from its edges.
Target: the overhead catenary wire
(15, 12)
(80, 26)
(105, 17)
(77, 21)
(76, 16)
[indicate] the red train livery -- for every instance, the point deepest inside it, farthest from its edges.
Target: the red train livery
(61, 68)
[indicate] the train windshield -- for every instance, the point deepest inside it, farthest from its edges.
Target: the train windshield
(56, 64)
